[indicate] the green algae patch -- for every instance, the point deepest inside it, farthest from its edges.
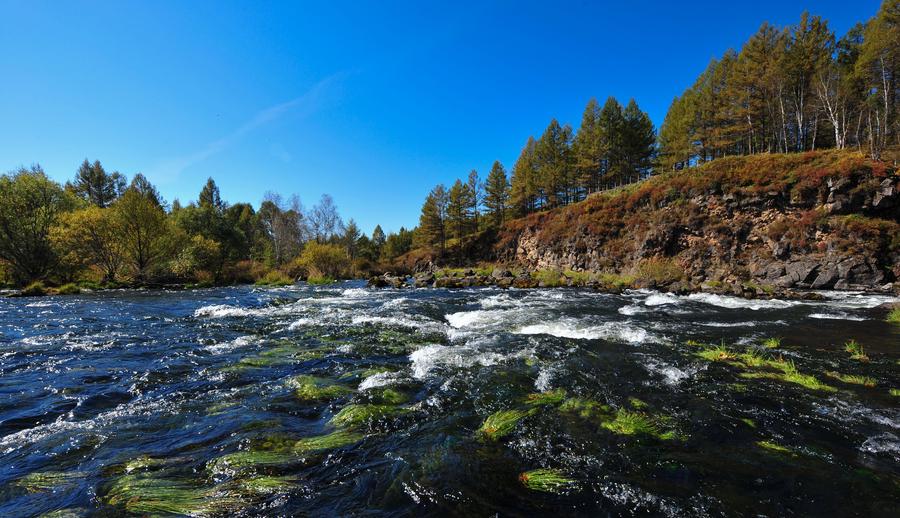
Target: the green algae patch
(776, 448)
(894, 392)
(749, 422)
(856, 351)
(147, 495)
(502, 423)
(636, 403)
(264, 485)
(310, 388)
(389, 396)
(584, 408)
(339, 439)
(637, 423)
(893, 316)
(236, 462)
(46, 481)
(551, 397)
(852, 379)
(772, 343)
(804, 380)
(547, 481)
(717, 353)
(356, 415)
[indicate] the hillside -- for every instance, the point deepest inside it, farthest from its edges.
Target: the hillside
(813, 220)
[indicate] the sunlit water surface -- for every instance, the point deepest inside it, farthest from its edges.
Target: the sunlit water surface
(160, 386)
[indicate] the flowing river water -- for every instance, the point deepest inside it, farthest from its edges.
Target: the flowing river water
(343, 401)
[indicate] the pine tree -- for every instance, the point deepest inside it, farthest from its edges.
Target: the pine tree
(351, 238)
(639, 141)
(586, 150)
(552, 156)
(94, 185)
(523, 185)
(496, 198)
(611, 123)
(433, 219)
(378, 239)
(209, 197)
(459, 209)
(476, 188)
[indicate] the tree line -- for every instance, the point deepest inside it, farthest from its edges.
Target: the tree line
(792, 89)
(613, 146)
(99, 227)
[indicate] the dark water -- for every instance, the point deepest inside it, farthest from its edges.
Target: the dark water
(122, 402)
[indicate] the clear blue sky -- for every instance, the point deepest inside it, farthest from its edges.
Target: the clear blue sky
(372, 104)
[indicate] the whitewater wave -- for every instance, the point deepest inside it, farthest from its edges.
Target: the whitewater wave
(836, 316)
(612, 331)
(435, 356)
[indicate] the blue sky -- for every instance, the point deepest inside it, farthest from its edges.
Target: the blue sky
(371, 104)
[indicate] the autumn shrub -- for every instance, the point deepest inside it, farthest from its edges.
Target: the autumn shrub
(275, 278)
(660, 270)
(68, 289)
(325, 261)
(35, 289)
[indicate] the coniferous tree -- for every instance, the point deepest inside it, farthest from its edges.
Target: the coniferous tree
(523, 185)
(552, 157)
(93, 184)
(459, 209)
(586, 150)
(611, 123)
(638, 142)
(378, 239)
(433, 219)
(496, 198)
(476, 188)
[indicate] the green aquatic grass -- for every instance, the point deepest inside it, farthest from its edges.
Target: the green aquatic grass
(551, 397)
(584, 408)
(775, 447)
(331, 441)
(502, 423)
(804, 380)
(852, 379)
(44, 481)
(144, 463)
(547, 481)
(753, 359)
(637, 423)
(310, 388)
(894, 392)
(265, 485)
(357, 415)
(749, 422)
(66, 513)
(772, 343)
(893, 316)
(856, 350)
(152, 496)
(249, 460)
(389, 396)
(717, 353)
(636, 403)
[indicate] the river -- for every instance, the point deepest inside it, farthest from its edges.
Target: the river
(342, 400)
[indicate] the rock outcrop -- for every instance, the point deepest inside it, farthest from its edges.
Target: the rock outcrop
(828, 220)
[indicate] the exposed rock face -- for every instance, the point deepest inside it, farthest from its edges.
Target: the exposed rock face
(808, 226)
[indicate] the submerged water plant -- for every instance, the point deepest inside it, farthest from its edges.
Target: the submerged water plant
(550, 397)
(547, 481)
(154, 496)
(356, 415)
(772, 343)
(249, 459)
(502, 423)
(893, 315)
(775, 447)
(637, 423)
(856, 350)
(310, 388)
(48, 480)
(791, 376)
(585, 408)
(717, 353)
(331, 441)
(852, 379)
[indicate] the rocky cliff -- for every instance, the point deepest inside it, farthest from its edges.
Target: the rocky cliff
(764, 223)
